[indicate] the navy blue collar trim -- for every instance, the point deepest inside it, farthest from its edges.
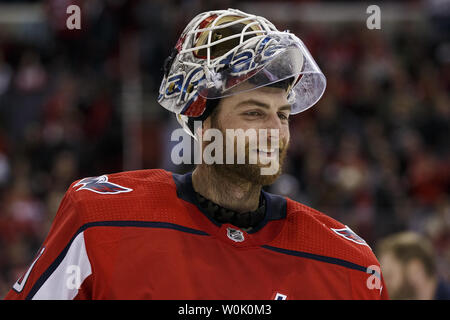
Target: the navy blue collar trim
(275, 205)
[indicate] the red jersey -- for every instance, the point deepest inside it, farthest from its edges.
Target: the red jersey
(142, 235)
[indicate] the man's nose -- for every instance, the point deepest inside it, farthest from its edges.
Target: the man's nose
(274, 132)
(273, 122)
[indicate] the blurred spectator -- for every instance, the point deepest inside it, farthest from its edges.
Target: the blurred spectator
(5, 74)
(408, 263)
(31, 75)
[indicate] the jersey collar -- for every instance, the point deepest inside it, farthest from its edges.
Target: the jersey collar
(262, 233)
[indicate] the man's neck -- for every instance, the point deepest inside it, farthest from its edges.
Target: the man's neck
(226, 190)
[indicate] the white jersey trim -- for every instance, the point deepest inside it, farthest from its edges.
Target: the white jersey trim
(65, 281)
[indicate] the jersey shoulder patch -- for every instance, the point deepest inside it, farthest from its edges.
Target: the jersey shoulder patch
(140, 195)
(100, 185)
(350, 235)
(311, 231)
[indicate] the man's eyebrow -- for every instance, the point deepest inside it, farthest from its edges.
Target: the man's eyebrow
(285, 107)
(261, 104)
(253, 102)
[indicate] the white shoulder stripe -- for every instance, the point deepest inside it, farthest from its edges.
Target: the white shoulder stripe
(67, 278)
(18, 286)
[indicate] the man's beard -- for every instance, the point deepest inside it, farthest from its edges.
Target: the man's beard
(247, 172)
(251, 172)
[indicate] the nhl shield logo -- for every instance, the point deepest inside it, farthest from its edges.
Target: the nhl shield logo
(235, 235)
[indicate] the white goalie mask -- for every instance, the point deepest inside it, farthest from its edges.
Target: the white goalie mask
(219, 50)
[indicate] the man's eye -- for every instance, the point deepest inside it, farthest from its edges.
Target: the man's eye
(283, 116)
(253, 113)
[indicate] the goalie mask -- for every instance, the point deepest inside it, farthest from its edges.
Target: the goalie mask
(220, 50)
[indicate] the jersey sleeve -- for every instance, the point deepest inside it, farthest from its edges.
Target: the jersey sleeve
(61, 269)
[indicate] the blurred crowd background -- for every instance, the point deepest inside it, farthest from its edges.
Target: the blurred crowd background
(373, 153)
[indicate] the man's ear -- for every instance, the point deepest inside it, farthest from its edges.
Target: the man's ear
(199, 130)
(206, 124)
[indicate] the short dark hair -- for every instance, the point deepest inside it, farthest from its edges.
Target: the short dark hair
(407, 246)
(282, 84)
